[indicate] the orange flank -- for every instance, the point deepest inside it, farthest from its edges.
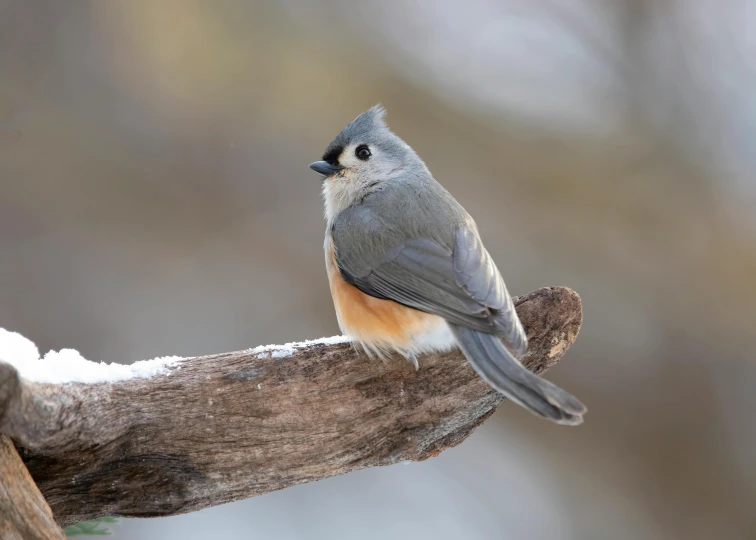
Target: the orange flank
(374, 322)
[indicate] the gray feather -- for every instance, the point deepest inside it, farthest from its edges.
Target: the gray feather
(496, 365)
(425, 252)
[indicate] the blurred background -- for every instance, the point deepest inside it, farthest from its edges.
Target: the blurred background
(155, 200)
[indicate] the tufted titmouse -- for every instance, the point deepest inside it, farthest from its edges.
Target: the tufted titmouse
(409, 273)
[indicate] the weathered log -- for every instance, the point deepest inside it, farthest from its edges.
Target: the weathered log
(229, 426)
(24, 514)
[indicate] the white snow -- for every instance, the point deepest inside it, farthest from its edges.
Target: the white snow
(282, 351)
(67, 365)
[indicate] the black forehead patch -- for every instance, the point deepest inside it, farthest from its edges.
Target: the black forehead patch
(362, 129)
(333, 153)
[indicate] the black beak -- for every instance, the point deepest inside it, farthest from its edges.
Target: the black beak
(325, 168)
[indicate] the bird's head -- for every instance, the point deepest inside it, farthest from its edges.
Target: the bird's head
(363, 156)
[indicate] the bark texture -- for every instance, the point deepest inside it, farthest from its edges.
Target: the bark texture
(24, 514)
(230, 426)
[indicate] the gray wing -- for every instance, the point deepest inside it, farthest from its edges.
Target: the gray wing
(460, 284)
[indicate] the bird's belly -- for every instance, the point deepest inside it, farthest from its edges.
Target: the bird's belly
(383, 325)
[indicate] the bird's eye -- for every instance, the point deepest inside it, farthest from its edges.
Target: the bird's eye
(362, 152)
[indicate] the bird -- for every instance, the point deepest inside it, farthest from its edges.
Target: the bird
(408, 271)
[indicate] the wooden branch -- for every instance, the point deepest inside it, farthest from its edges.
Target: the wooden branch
(24, 514)
(229, 426)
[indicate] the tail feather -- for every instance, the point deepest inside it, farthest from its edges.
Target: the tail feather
(506, 374)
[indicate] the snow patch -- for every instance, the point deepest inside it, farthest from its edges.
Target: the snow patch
(67, 365)
(288, 349)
